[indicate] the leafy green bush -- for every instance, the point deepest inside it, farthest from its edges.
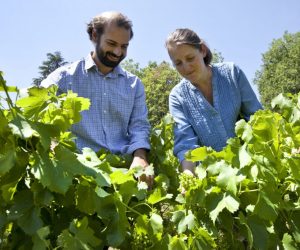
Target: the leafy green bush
(52, 196)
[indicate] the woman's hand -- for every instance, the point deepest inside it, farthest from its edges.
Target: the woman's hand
(188, 167)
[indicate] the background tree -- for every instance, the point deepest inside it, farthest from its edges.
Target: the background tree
(158, 81)
(53, 62)
(280, 72)
(132, 67)
(217, 57)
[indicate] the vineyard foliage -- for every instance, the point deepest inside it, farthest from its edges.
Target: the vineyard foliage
(54, 197)
(280, 69)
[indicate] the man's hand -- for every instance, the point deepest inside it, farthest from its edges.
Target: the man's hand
(140, 159)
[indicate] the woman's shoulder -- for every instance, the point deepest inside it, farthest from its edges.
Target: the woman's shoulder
(179, 86)
(224, 66)
(226, 69)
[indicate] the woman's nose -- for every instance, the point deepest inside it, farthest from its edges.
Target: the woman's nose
(185, 66)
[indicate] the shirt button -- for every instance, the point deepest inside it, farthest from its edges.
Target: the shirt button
(104, 93)
(104, 111)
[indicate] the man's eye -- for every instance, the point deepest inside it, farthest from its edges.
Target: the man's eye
(111, 44)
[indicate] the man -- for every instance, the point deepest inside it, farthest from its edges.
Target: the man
(117, 118)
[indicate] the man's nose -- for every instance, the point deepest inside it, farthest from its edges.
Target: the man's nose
(118, 51)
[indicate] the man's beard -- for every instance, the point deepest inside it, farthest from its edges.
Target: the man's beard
(103, 57)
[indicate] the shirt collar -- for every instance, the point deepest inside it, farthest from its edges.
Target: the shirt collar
(189, 84)
(193, 87)
(89, 64)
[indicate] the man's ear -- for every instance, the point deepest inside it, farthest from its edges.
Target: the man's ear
(94, 36)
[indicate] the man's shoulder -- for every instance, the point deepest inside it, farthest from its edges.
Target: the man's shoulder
(130, 78)
(71, 68)
(63, 72)
(126, 73)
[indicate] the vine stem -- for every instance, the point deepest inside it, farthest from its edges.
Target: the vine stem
(145, 204)
(8, 100)
(131, 209)
(248, 191)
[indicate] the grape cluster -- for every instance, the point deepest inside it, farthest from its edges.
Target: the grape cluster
(223, 243)
(187, 181)
(140, 241)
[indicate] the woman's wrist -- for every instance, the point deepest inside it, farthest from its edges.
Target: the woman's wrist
(188, 167)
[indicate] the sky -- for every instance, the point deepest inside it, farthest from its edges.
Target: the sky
(240, 30)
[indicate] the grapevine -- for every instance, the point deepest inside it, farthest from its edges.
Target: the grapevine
(54, 197)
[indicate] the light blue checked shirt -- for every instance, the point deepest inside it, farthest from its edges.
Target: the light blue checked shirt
(197, 122)
(117, 118)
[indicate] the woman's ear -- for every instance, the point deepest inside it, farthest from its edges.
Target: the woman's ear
(203, 50)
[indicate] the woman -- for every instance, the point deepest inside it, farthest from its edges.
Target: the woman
(209, 99)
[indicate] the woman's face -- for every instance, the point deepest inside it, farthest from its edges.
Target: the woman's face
(188, 61)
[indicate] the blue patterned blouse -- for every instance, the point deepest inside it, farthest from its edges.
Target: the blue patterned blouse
(197, 122)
